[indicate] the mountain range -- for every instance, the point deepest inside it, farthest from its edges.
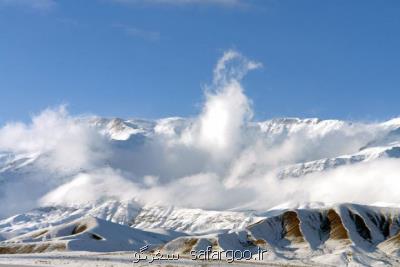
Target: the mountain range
(111, 198)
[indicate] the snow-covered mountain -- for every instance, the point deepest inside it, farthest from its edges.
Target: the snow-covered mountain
(372, 140)
(155, 182)
(376, 141)
(342, 235)
(345, 234)
(146, 157)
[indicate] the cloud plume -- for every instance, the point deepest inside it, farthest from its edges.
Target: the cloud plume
(220, 159)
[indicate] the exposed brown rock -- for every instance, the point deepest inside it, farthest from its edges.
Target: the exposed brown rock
(394, 225)
(79, 229)
(259, 242)
(391, 245)
(31, 248)
(394, 240)
(39, 234)
(291, 227)
(188, 245)
(337, 231)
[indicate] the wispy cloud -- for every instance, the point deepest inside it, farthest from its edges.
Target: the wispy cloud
(138, 33)
(34, 4)
(223, 3)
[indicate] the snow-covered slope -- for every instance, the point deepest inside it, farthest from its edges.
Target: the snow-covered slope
(371, 141)
(192, 221)
(367, 154)
(343, 235)
(163, 167)
(185, 220)
(86, 234)
(113, 211)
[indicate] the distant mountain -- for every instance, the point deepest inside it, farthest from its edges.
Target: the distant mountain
(376, 140)
(149, 153)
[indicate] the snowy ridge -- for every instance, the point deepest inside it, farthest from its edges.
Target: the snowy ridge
(122, 130)
(148, 154)
(383, 141)
(345, 234)
(365, 155)
(192, 221)
(185, 220)
(9, 161)
(85, 234)
(113, 211)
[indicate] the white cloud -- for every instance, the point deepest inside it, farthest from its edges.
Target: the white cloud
(34, 4)
(57, 134)
(218, 128)
(219, 159)
(85, 188)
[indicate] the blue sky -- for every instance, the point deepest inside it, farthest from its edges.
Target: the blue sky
(150, 58)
